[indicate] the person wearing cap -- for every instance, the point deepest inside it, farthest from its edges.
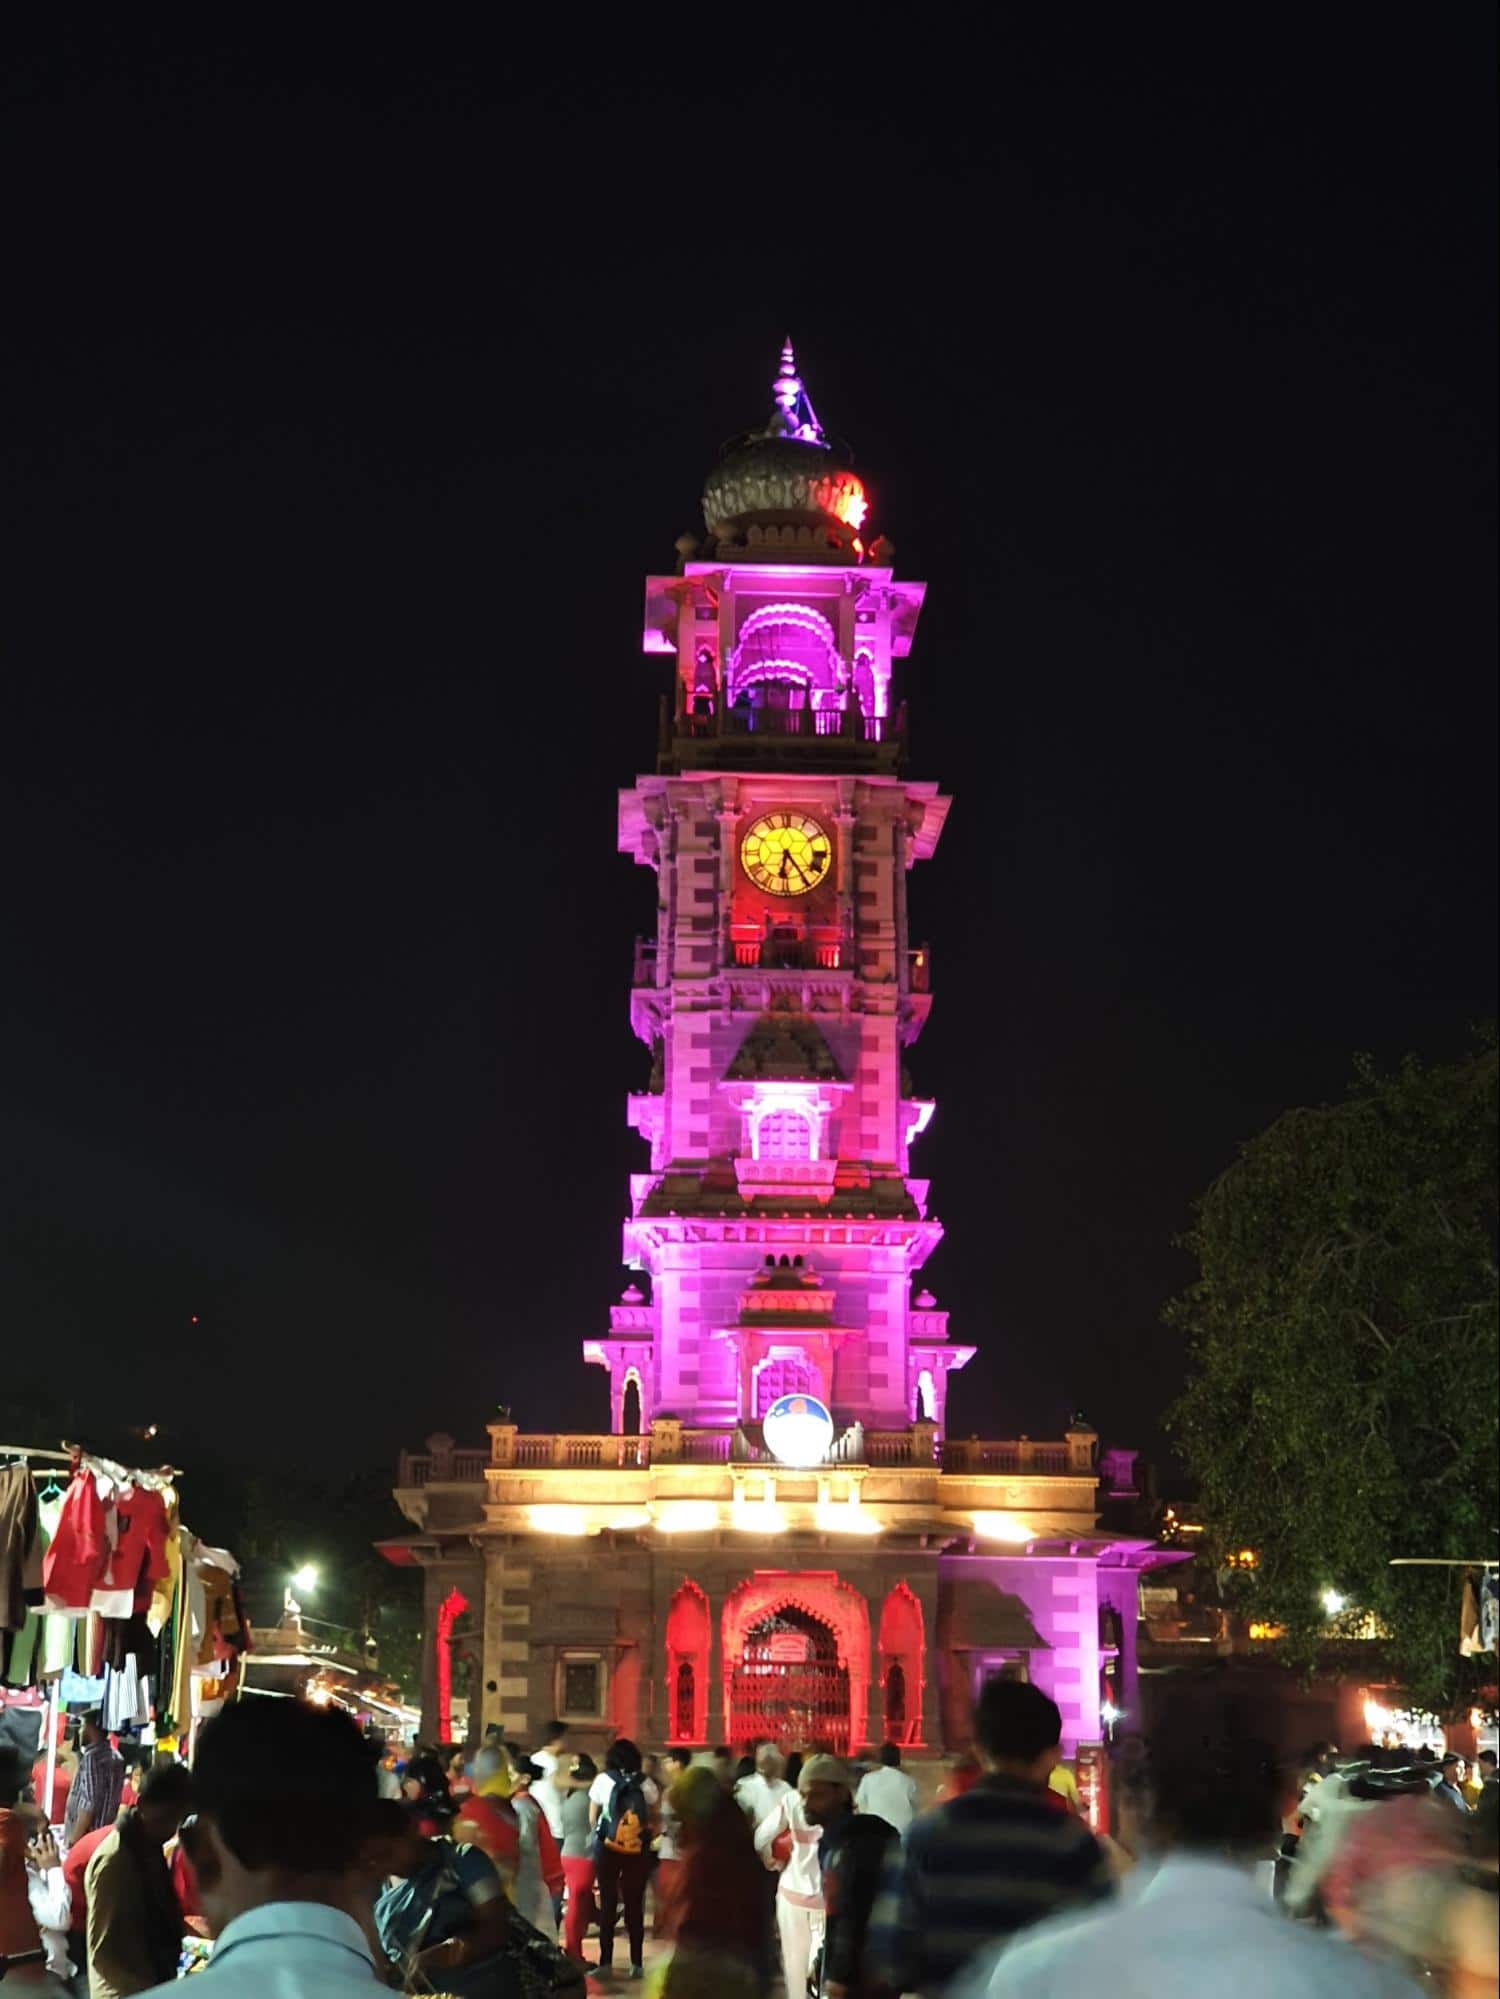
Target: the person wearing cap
(852, 1854)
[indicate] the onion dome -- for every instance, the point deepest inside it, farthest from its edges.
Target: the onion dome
(784, 492)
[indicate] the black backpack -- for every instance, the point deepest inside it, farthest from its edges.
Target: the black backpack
(625, 1822)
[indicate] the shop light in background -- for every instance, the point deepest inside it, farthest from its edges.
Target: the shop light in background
(685, 1516)
(1003, 1527)
(558, 1519)
(1260, 1631)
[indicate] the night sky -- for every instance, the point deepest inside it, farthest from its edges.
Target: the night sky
(351, 391)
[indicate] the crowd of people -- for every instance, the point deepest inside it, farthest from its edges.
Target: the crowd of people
(310, 1869)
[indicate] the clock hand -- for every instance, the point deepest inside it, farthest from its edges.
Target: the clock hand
(785, 858)
(806, 879)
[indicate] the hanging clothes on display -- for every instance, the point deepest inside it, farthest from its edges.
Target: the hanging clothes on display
(113, 1605)
(17, 1533)
(45, 1644)
(80, 1546)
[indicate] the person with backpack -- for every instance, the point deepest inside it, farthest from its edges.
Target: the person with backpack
(621, 1818)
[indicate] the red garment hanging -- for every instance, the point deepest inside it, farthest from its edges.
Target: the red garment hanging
(79, 1550)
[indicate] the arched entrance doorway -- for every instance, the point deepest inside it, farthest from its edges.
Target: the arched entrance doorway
(788, 1682)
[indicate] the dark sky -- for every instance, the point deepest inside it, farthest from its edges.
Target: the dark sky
(352, 389)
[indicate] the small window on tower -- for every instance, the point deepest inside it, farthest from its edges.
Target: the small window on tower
(784, 1135)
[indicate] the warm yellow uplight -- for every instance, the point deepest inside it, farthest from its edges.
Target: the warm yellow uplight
(624, 1523)
(685, 1516)
(558, 1519)
(1003, 1527)
(758, 1519)
(833, 1519)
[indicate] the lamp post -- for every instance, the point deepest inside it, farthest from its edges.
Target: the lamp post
(304, 1578)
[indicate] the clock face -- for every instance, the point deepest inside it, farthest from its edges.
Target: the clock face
(785, 853)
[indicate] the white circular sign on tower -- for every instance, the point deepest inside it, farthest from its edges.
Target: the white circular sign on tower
(798, 1430)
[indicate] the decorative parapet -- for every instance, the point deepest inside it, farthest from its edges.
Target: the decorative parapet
(670, 1441)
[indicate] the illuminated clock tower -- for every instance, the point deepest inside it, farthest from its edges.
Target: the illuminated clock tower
(776, 1536)
(779, 1219)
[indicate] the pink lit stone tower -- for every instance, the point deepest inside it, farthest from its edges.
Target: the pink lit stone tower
(779, 1220)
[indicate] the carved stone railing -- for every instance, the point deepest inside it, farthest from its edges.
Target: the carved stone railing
(976, 1454)
(451, 1467)
(671, 1441)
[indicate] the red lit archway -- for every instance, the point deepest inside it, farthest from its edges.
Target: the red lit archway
(689, 1629)
(902, 1650)
(820, 1596)
(450, 1610)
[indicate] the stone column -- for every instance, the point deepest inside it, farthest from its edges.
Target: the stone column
(728, 817)
(507, 1618)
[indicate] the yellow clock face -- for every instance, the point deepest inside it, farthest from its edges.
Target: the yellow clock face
(785, 853)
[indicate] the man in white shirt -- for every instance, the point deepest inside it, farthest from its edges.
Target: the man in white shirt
(286, 1803)
(887, 1792)
(546, 1790)
(759, 1794)
(1204, 1921)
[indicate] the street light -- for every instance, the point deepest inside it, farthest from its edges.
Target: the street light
(1333, 1603)
(305, 1578)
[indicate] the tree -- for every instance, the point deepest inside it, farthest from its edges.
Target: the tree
(1344, 1343)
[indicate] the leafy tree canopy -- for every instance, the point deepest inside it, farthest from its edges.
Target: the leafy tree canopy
(1342, 1404)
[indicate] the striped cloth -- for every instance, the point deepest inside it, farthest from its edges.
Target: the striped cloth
(971, 1873)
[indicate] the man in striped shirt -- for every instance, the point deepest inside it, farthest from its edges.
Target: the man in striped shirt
(984, 1865)
(94, 1795)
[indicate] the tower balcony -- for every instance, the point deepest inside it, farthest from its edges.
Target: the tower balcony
(819, 948)
(711, 736)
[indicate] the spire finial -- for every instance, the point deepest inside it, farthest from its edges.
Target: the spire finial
(795, 416)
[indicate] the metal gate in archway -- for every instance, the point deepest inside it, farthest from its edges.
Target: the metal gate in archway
(788, 1685)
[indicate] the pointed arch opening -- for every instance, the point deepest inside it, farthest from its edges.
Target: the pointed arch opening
(688, 1630)
(902, 1649)
(630, 1405)
(796, 1657)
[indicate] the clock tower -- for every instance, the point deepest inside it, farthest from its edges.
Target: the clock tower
(776, 1536)
(779, 1219)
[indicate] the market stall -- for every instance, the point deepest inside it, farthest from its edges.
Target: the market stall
(109, 1604)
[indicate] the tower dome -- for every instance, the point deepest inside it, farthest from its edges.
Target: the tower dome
(784, 493)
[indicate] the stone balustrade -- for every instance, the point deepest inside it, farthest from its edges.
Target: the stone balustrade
(670, 1441)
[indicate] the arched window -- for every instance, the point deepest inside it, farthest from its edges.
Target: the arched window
(775, 1378)
(685, 1704)
(895, 1701)
(902, 1643)
(784, 1134)
(630, 1406)
(785, 655)
(926, 1399)
(687, 1664)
